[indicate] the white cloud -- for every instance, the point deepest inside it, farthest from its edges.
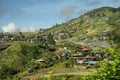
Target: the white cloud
(27, 29)
(68, 10)
(9, 28)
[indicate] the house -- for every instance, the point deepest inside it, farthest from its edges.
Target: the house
(20, 36)
(65, 54)
(77, 55)
(65, 48)
(88, 58)
(55, 57)
(58, 53)
(32, 40)
(90, 62)
(40, 61)
(12, 38)
(85, 49)
(1, 40)
(62, 53)
(80, 61)
(100, 55)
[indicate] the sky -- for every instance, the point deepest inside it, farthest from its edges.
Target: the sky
(32, 15)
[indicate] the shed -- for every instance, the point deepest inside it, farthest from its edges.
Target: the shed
(65, 54)
(40, 61)
(91, 62)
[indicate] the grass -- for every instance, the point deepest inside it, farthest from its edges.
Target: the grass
(15, 47)
(58, 68)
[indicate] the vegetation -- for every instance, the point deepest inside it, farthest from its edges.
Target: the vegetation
(26, 54)
(108, 70)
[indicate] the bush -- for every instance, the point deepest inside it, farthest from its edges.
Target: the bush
(108, 70)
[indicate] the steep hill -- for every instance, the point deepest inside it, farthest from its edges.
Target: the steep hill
(90, 29)
(97, 29)
(19, 56)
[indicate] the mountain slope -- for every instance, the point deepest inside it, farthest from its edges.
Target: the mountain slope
(94, 25)
(97, 29)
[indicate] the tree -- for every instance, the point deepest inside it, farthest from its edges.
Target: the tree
(109, 70)
(114, 21)
(50, 39)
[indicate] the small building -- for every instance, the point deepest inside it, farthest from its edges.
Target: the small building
(62, 53)
(55, 57)
(65, 54)
(88, 58)
(85, 49)
(90, 62)
(100, 55)
(77, 55)
(40, 61)
(80, 61)
(32, 40)
(58, 53)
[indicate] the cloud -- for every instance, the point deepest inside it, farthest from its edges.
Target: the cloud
(11, 27)
(27, 29)
(67, 11)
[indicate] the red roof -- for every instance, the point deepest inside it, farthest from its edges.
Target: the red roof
(58, 52)
(85, 49)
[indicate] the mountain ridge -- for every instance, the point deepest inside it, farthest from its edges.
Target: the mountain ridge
(94, 24)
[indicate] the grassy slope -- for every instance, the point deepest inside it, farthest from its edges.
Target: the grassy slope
(86, 22)
(93, 22)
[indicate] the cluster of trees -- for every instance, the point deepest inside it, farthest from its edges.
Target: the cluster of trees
(17, 61)
(114, 22)
(101, 11)
(46, 39)
(108, 70)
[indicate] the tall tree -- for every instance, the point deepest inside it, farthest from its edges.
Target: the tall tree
(50, 39)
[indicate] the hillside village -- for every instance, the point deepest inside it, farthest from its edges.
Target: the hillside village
(81, 42)
(84, 52)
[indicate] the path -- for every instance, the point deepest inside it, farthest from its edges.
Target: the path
(57, 74)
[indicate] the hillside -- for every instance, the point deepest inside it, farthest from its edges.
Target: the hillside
(20, 56)
(61, 47)
(90, 29)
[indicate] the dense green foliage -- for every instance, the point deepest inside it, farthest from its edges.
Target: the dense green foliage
(50, 39)
(20, 56)
(108, 70)
(114, 21)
